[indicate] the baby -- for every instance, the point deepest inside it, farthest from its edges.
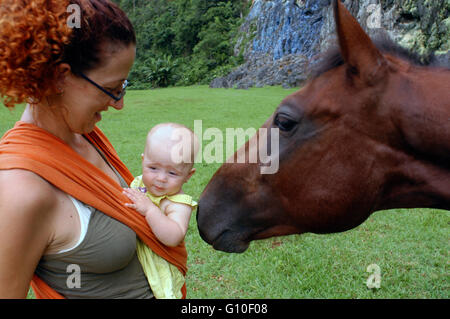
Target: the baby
(167, 163)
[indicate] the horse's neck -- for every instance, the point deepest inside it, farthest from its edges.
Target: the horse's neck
(420, 163)
(424, 115)
(416, 183)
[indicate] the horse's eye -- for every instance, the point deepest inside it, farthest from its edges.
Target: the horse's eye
(284, 123)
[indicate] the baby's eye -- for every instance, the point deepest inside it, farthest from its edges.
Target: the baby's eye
(173, 173)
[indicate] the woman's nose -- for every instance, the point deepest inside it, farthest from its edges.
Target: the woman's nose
(118, 105)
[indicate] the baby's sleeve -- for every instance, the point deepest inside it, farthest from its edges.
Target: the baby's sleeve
(136, 183)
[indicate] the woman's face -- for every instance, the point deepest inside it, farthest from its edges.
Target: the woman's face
(83, 102)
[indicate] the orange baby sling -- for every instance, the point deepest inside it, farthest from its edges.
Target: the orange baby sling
(29, 147)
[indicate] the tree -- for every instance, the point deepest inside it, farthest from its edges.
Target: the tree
(190, 40)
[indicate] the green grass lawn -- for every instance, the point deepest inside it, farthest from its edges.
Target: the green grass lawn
(410, 246)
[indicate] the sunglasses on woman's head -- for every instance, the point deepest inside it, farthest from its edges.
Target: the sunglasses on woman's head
(115, 97)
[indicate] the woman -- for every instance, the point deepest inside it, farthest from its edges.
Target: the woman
(63, 224)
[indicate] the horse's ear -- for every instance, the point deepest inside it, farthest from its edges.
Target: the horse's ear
(357, 49)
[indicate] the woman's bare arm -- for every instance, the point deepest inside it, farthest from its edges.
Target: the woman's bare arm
(26, 205)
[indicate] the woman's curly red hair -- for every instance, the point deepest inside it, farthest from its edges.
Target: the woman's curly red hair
(35, 37)
(32, 39)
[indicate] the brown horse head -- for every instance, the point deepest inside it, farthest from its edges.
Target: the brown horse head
(371, 131)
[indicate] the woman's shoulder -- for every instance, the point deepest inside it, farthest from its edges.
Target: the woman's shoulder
(25, 192)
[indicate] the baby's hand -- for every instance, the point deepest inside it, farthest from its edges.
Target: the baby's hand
(141, 202)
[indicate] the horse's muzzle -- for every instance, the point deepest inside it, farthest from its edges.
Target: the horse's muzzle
(222, 239)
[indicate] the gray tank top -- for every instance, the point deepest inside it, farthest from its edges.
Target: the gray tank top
(103, 265)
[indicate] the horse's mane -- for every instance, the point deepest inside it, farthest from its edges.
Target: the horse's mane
(333, 58)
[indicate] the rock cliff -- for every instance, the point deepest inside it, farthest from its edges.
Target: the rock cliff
(278, 38)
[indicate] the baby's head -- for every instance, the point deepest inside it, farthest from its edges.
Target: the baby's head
(168, 159)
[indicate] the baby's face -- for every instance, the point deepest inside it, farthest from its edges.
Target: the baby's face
(161, 175)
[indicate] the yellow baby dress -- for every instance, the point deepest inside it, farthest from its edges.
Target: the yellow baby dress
(164, 278)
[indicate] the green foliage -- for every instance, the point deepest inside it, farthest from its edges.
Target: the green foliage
(153, 72)
(183, 42)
